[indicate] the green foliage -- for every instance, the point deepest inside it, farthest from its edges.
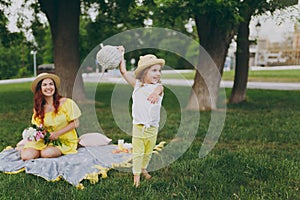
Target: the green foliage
(256, 157)
(256, 7)
(224, 14)
(119, 15)
(14, 61)
(114, 17)
(46, 51)
(43, 39)
(15, 58)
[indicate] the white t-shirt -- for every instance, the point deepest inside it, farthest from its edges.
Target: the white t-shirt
(143, 111)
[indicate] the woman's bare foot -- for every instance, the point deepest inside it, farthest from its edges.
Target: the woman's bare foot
(146, 174)
(136, 180)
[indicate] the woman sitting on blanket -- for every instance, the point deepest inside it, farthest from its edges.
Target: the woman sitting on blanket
(59, 115)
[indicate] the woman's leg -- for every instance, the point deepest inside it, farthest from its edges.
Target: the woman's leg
(50, 152)
(29, 153)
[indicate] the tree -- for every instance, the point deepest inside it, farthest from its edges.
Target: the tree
(63, 17)
(216, 24)
(247, 9)
(219, 20)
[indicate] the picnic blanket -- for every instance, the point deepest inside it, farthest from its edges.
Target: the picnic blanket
(89, 163)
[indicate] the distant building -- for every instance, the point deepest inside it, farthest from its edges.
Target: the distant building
(296, 44)
(266, 53)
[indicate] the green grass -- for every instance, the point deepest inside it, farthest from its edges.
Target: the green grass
(259, 75)
(256, 157)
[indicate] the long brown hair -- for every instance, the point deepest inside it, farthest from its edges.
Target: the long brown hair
(39, 102)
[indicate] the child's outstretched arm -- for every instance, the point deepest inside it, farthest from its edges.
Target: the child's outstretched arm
(154, 96)
(127, 76)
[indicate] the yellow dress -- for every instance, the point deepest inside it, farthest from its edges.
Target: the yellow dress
(67, 112)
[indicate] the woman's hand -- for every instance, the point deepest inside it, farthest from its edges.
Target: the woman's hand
(53, 136)
(72, 125)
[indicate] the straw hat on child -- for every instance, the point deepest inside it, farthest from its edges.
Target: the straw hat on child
(43, 76)
(148, 61)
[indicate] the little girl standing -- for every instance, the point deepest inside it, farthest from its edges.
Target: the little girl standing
(147, 98)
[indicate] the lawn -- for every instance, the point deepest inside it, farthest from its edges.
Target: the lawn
(257, 155)
(259, 75)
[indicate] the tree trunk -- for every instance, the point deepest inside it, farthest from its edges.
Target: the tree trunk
(206, 86)
(202, 96)
(63, 17)
(238, 93)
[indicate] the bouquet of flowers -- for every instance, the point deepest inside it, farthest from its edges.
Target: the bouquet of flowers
(36, 133)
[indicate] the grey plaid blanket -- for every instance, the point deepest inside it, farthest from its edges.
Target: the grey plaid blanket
(88, 163)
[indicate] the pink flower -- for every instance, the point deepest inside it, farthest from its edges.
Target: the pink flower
(39, 135)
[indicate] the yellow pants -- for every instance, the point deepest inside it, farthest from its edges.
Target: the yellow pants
(143, 142)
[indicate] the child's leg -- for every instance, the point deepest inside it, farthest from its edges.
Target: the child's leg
(137, 153)
(146, 174)
(136, 180)
(138, 148)
(149, 145)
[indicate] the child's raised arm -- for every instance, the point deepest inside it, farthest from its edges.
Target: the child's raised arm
(127, 76)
